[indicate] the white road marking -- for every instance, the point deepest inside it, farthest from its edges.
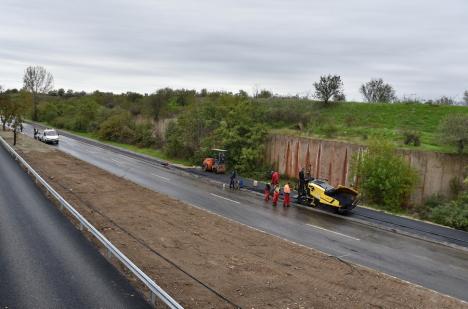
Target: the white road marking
(162, 177)
(116, 161)
(225, 198)
(321, 228)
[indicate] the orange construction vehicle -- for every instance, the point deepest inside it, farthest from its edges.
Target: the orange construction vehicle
(217, 163)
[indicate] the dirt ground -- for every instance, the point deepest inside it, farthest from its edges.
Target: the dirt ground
(205, 261)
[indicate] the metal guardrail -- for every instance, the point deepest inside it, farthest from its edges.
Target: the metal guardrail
(155, 290)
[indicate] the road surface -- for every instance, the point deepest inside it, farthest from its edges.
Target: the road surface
(432, 265)
(44, 261)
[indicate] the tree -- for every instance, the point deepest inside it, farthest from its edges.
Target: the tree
(444, 100)
(38, 81)
(465, 97)
(384, 177)
(376, 91)
(264, 94)
(329, 87)
(454, 130)
(11, 112)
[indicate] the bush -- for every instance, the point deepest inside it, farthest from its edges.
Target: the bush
(412, 137)
(384, 177)
(453, 213)
(117, 128)
(454, 130)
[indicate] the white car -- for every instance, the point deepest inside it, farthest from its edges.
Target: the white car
(49, 136)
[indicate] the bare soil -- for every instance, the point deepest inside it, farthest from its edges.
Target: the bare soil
(205, 261)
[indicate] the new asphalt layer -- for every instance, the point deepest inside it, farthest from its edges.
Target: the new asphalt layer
(45, 262)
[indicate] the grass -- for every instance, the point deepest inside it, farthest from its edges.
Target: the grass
(359, 122)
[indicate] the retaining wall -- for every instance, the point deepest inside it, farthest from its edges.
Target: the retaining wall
(331, 160)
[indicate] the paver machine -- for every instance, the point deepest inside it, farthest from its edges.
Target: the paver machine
(216, 163)
(319, 191)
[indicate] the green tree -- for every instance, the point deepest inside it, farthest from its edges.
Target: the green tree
(384, 177)
(453, 130)
(329, 87)
(376, 91)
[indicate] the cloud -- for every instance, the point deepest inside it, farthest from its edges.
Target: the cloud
(418, 46)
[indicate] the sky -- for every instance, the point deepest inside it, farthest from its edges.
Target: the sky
(420, 47)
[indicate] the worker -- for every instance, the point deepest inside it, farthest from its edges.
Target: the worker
(275, 178)
(301, 190)
(232, 184)
(287, 192)
(266, 192)
(35, 133)
(276, 194)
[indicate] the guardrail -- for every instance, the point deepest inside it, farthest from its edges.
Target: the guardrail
(155, 290)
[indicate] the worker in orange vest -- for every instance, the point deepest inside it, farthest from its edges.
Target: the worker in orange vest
(287, 193)
(276, 194)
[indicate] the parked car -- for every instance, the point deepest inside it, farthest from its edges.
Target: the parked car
(49, 136)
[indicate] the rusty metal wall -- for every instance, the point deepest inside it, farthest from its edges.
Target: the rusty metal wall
(331, 160)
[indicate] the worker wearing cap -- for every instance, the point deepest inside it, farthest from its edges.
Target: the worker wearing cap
(287, 193)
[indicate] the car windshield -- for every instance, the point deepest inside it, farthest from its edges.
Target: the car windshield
(51, 132)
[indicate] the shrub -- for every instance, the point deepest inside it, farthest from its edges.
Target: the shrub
(117, 128)
(454, 130)
(453, 213)
(384, 177)
(412, 137)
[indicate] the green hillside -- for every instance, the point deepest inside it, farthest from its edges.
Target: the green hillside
(358, 122)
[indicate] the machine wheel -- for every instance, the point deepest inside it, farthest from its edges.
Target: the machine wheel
(205, 168)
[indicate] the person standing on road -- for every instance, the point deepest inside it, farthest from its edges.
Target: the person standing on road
(275, 178)
(287, 193)
(276, 194)
(35, 133)
(301, 183)
(266, 192)
(232, 184)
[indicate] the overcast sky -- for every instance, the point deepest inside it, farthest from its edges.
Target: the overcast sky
(418, 46)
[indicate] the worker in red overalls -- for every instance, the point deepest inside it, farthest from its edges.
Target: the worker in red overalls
(276, 194)
(275, 178)
(287, 193)
(266, 192)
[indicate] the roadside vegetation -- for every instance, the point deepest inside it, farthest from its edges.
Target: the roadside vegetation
(197, 121)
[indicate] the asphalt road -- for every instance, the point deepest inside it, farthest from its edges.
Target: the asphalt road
(435, 266)
(44, 261)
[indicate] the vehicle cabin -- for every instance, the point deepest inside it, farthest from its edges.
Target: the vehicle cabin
(216, 163)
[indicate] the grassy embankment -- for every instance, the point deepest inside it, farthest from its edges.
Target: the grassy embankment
(359, 122)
